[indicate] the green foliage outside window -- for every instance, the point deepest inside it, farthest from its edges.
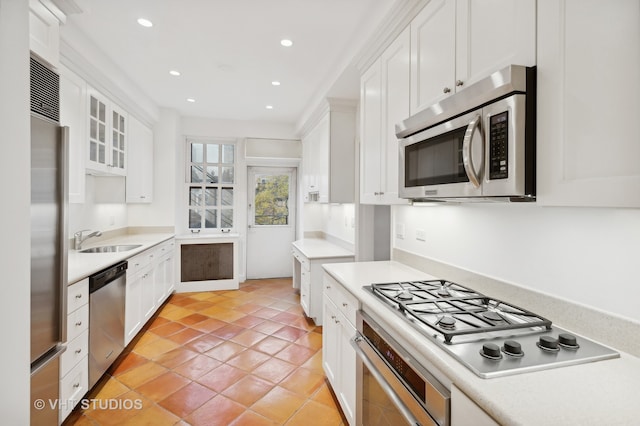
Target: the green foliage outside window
(271, 201)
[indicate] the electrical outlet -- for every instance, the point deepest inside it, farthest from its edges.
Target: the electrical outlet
(421, 235)
(400, 231)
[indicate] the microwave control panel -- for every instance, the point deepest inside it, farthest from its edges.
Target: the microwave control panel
(498, 146)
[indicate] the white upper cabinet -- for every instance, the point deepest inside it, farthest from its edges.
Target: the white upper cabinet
(44, 33)
(491, 35)
(328, 155)
(107, 136)
(588, 103)
(456, 43)
(384, 94)
(433, 53)
(73, 107)
(140, 155)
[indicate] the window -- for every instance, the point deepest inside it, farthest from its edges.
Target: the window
(211, 184)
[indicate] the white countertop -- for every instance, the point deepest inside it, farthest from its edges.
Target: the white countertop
(318, 248)
(598, 393)
(81, 265)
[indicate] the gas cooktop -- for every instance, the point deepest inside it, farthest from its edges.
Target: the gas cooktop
(490, 337)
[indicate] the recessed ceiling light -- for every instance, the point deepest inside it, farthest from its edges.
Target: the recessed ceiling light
(191, 100)
(145, 22)
(286, 43)
(174, 73)
(269, 107)
(275, 83)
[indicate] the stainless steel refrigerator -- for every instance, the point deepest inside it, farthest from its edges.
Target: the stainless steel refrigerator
(49, 241)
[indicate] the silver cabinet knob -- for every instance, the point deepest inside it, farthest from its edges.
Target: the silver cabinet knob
(459, 83)
(446, 90)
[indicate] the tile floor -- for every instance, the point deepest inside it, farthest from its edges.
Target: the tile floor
(243, 357)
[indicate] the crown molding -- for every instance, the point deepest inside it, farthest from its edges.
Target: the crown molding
(325, 106)
(401, 14)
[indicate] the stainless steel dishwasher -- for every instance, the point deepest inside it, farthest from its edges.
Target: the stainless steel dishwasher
(106, 318)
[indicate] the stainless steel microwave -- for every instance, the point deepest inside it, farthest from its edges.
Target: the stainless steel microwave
(476, 145)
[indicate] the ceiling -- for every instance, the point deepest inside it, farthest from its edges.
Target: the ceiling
(228, 51)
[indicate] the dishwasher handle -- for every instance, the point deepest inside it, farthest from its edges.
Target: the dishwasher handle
(102, 278)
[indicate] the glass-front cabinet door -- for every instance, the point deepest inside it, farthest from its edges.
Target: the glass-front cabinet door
(118, 138)
(107, 136)
(97, 131)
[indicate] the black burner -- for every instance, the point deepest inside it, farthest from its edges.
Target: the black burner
(493, 316)
(444, 292)
(448, 323)
(404, 295)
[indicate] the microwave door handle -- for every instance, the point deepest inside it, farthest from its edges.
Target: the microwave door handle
(467, 160)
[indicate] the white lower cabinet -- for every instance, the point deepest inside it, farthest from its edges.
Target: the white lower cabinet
(150, 280)
(465, 412)
(74, 362)
(338, 357)
(308, 275)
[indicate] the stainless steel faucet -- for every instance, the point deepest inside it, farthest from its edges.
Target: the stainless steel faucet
(78, 239)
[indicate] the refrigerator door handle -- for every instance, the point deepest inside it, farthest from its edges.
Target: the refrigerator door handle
(64, 237)
(42, 363)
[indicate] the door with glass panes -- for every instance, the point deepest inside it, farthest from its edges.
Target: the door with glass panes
(272, 225)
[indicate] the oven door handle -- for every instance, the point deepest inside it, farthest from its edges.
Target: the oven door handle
(375, 372)
(467, 159)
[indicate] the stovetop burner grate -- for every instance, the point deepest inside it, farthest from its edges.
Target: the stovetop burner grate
(454, 310)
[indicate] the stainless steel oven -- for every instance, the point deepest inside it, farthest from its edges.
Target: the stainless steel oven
(392, 389)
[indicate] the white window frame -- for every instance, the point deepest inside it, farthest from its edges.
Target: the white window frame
(187, 207)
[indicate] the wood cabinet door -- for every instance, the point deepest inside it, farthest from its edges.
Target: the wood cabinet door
(588, 103)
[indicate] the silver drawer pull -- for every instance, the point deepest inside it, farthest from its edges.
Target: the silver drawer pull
(344, 305)
(79, 296)
(76, 385)
(79, 323)
(78, 351)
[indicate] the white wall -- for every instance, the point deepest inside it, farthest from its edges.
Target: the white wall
(15, 252)
(584, 255)
(95, 214)
(335, 220)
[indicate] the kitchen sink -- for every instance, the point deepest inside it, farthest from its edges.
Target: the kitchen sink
(111, 249)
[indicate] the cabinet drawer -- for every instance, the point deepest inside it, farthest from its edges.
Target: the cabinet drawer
(346, 302)
(305, 278)
(77, 322)
(165, 248)
(304, 262)
(77, 295)
(138, 262)
(77, 349)
(305, 296)
(73, 387)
